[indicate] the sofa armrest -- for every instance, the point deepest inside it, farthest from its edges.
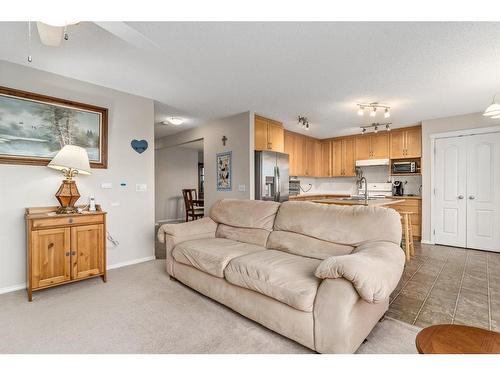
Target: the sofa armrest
(373, 268)
(193, 229)
(173, 234)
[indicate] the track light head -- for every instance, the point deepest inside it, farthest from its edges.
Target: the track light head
(387, 114)
(361, 111)
(373, 112)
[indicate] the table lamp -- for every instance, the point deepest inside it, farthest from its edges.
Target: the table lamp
(70, 160)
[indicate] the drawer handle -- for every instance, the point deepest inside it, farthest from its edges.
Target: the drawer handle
(67, 253)
(70, 220)
(73, 253)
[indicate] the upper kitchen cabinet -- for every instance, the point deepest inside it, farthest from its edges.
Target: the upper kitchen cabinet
(325, 169)
(372, 146)
(269, 135)
(406, 143)
(296, 148)
(343, 164)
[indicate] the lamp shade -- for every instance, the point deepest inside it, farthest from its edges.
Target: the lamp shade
(71, 157)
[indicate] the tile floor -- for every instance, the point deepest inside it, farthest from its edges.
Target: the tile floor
(449, 285)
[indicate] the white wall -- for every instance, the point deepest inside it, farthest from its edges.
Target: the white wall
(176, 168)
(131, 223)
(239, 132)
(441, 125)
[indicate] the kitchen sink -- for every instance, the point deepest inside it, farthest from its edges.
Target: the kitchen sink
(357, 198)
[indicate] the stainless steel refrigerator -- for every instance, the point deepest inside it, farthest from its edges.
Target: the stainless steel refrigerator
(271, 176)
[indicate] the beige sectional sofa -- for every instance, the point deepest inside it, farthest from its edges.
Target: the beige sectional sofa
(318, 274)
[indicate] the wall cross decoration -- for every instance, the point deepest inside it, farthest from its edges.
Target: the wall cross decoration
(224, 139)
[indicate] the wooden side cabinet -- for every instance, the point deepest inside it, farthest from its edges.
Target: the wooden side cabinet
(64, 248)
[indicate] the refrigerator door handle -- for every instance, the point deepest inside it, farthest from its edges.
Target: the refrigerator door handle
(278, 183)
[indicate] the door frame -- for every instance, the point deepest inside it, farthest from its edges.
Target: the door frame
(450, 134)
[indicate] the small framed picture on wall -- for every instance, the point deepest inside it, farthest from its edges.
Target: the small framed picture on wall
(224, 172)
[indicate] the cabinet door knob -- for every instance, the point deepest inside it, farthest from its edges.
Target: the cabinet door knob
(70, 220)
(67, 253)
(472, 197)
(460, 196)
(73, 253)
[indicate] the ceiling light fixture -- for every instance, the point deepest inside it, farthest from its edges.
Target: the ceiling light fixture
(173, 121)
(376, 127)
(373, 108)
(493, 109)
(304, 122)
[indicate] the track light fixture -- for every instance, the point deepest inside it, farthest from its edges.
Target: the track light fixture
(373, 107)
(302, 120)
(376, 127)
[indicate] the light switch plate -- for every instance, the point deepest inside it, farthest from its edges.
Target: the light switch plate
(242, 187)
(106, 185)
(141, 187)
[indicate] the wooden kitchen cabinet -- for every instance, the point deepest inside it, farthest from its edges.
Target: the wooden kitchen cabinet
(372, 146)
(413, 205)
(406, 143)
(325, 169)
(269, 135)
(64, 248)
(343, 163)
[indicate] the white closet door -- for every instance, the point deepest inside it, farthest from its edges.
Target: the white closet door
(450, 192)
(483, 191)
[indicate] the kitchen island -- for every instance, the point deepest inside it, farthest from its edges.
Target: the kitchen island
(378, 202)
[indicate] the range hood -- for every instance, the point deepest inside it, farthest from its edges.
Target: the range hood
(371, 162)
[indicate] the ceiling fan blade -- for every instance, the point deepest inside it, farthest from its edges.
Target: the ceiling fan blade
(128, 34)
(50, 35)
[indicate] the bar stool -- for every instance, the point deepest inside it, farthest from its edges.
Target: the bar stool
(409, 248)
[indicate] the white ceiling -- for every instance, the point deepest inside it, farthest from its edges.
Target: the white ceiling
(202, 71)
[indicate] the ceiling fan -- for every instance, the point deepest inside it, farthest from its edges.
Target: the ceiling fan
(53, 32)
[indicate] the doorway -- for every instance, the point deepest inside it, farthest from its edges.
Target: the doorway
(466, 196)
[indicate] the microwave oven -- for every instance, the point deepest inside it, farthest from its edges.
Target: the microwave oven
(404, 167)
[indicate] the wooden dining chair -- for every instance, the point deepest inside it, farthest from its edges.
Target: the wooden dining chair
(193, 210)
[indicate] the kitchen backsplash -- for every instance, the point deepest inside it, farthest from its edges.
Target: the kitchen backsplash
(347, 185)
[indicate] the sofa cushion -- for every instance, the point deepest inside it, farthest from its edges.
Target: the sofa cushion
(345, 225)
(248, 235)
(245, 213)
(300, 244)
(212, 255)
(285, 277)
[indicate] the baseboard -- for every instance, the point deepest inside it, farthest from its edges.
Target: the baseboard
(130, 262)
(14, 288)
(427, 242)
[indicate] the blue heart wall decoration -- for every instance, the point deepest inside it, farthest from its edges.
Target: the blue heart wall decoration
(139, 146)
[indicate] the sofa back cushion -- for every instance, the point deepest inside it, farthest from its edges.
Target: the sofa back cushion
(299, 244)
(248, 235)
(341, 225)
(247, 221)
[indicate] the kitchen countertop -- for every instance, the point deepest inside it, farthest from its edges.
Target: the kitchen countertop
(405, 197)
(370, 202)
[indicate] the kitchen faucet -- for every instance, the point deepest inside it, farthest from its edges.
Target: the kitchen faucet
(366, 186)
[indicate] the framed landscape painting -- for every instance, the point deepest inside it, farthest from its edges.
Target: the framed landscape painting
(224, 173)
(33, 128)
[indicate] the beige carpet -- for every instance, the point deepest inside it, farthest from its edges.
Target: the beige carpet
(139, 310)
